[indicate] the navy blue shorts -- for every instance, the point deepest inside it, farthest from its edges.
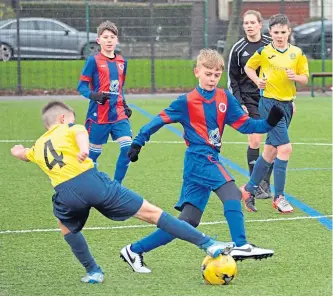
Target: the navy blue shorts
(279, 134)
(99, 133)
(251, 101)
(202, 175)
(74, 199)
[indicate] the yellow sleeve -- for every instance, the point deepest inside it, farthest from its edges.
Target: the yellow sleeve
(255, 61)
(77, 128)
(302, 65)
(30, 154)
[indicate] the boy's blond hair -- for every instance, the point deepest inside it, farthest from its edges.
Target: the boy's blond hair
(52, 110)
(107, 25)
(210, 59)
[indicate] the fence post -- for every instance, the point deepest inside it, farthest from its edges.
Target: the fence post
(16, 7)
(322, 45)
(87, 20)
(283, 7)
(206, 23)
(152, 46)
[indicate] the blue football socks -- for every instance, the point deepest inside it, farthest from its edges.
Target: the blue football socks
(181, 229)
(94, 153)
(152, 241)
(81, 251)
(259, 171)
(280, 170)
(123, 161)
(235, 218)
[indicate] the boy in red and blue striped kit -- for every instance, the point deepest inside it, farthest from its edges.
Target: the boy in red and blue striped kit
(203, 113)
(102, 81)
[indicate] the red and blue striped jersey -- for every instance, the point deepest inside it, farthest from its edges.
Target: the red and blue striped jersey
(102, 74)
(203, 115)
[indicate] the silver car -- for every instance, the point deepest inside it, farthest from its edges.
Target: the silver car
(45, 38)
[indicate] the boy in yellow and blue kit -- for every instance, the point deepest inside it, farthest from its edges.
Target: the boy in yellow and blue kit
(62, 153)
(281, 66)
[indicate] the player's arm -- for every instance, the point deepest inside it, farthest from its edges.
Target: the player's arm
(172, 114)
(128, 110)
(234, 75)
(239, 120)
(86, 77)
(82, 140)
(20, 152)
(302, 71)
(83, 88)
(252, 65)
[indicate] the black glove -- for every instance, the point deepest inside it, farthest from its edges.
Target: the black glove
(100, 98)
(128, 111)
(133, 152)
(274, 116)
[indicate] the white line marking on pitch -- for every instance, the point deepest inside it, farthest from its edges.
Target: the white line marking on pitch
(177, 142)
(151, 226)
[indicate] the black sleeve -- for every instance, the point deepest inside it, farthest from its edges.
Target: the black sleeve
(234, 75)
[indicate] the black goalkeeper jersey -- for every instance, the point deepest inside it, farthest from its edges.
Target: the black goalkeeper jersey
(238, 81)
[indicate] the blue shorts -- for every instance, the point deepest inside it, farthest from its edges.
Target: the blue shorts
(203, 173)
(74, 199)
(99, 133)
(279, 134)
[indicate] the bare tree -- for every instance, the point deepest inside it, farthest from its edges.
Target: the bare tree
(233, 27)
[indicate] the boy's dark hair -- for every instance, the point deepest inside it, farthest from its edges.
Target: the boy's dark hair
(52, 109)
(280, 19)
(107, 25)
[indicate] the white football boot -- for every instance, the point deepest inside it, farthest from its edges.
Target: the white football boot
(250, 251)
(134, 260)
(282, 205)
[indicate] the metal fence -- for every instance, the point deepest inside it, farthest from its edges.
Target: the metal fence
(44, 43)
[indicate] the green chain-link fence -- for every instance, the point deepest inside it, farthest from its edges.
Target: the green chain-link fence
(159, 38)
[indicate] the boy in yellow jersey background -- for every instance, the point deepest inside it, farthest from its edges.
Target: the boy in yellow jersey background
(281, 66)
(62, 153)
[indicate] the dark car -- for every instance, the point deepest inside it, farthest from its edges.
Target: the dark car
(308, 37)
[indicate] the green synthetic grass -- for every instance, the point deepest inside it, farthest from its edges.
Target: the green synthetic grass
(169, 74)
(40, 263)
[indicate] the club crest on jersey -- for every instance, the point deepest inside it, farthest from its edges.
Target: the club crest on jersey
(121, 67)
(214, 137)
(114, 87)
(222, 107)
(292, 56)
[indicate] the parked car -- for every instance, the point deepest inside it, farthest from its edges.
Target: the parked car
(45, 38)
(308, 37)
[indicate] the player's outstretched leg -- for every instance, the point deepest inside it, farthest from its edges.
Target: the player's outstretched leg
(133, 253)
(176, 228)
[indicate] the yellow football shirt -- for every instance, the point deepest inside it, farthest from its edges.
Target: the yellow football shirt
(55, 153)
(273, 64)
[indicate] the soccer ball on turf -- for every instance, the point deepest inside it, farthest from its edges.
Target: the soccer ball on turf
(218, 271)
